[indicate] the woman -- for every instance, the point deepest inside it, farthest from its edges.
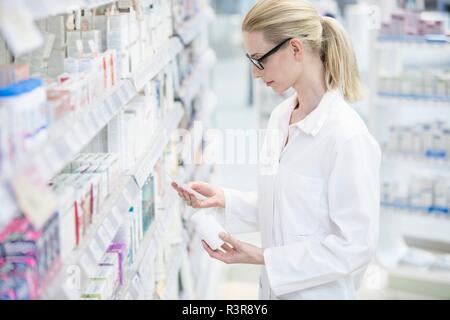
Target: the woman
(317, 203)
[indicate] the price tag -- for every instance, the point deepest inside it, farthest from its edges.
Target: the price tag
(54, 156)
(88, 264)
(95, 249)
(42, 167)
(104, 235)
(114, 218)
(127, 198)
(122, 95)
(116, 100)
(96, 120)
(118, 216)
(107, 224)
(109, 107)
(9, 207)
(73, 141)
(157, 240)
(131, 92)
(102, 115)
(81, 131)
(89, 124)
(102, 243)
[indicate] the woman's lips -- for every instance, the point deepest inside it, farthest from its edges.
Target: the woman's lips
(269, 83)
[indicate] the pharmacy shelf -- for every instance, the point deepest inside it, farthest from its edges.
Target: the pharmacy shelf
(428, 163)
(391, 101)
(150, 244)
(191, 86)
(392, 43)
(426, 282)
(156, 63)
(53, 154)
(409, 99)
(70, 135)
(174, 267)
(202, 287)
(148, 160)
(171, 49)
(46, 8)
(203, 117)
(83, 256)
(431, 227)
(118, 196)
(189, 30)
(440, 277)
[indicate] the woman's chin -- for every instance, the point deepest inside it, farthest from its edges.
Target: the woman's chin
(278, 91)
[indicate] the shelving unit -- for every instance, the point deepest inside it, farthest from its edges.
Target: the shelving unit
(404, 228)
(421, 161)
(120, 198)
(149, 245)
(191, 86)
(52, 155)
(46, 8)
(71, 135)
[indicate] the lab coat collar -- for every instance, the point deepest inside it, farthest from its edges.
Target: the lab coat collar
(314, 121)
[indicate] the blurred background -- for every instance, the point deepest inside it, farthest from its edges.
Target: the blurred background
(91, 93)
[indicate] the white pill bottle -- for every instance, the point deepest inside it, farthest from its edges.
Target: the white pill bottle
(208, 228)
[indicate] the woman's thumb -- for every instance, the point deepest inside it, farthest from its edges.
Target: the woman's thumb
(202, 187)
(209, 203)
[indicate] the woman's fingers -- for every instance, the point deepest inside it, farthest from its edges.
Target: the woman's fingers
(212, 253)
(229, 239)
(209, 203)
(202, 188)
(226, 247)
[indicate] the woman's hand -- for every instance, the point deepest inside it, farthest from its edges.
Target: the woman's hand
(235, 251)
(215, 195)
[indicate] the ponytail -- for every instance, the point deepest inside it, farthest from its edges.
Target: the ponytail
(339, 60)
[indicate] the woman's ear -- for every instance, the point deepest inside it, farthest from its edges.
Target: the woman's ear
(297, 48)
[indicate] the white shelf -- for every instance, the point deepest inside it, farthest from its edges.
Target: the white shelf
(389, 99)
(174, 267)
(440, 277)
(149, 245)
(171, 49)
(190, 29)
(70, 135)
(119, 193)
(49, 157)
(156, 63)
(119, 197)
(391, 44)
(429, 163)
(419, 225)
(191, 86)
(149, 159)
(45, 8)
(196, 140)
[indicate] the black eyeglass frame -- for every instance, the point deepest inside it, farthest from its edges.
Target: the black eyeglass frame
(258, 62)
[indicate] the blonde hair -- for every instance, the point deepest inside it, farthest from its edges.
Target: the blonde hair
(282, 19)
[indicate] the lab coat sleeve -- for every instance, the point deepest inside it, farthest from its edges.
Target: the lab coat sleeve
(353, 201)
(241, 212)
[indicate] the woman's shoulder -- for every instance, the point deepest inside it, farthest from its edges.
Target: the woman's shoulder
(347, 123)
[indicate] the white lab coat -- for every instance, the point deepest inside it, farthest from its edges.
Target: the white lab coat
(317, 203)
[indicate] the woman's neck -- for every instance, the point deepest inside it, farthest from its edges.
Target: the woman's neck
(310, 88)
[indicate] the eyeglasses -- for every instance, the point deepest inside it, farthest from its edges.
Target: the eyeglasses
(258, 62)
